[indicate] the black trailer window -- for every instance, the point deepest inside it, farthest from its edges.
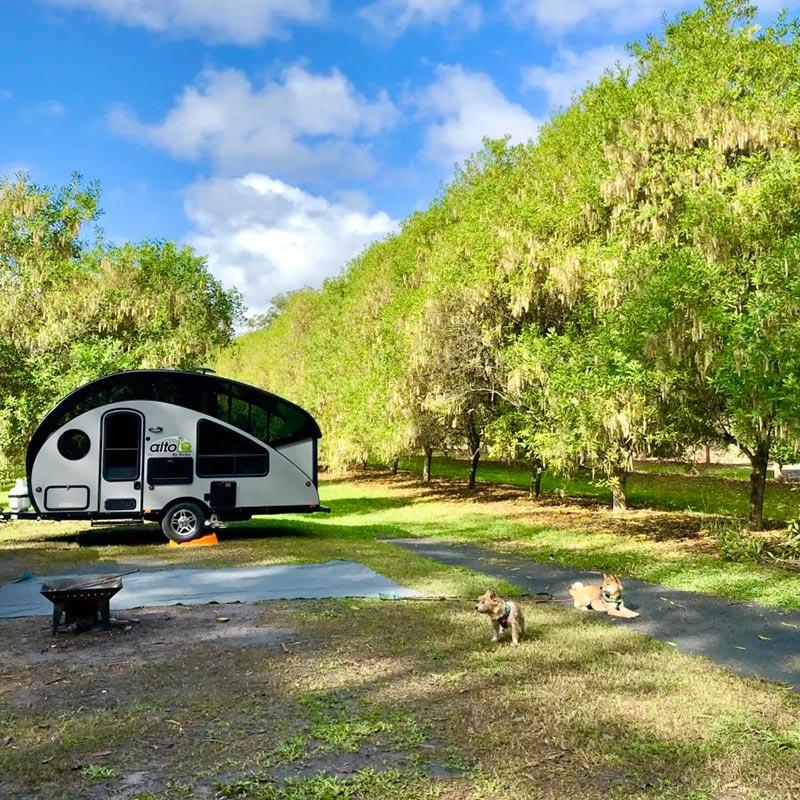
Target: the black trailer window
(73, 444)
(170, 471)
(122, 440)
(223, 453)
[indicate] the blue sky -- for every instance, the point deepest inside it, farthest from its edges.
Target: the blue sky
(279, 137)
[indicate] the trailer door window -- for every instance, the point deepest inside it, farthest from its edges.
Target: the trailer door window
(223, 453)
(122, 437)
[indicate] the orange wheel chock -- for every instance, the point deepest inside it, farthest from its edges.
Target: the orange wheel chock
(200, 541)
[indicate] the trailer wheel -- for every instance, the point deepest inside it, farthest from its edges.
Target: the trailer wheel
(183, 522)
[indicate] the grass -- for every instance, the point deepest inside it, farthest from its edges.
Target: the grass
(718, 489)
(400, 701)
(672, 548)
(99, 772)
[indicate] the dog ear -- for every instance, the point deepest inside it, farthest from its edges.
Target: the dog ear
(606, 577)
(492, 593)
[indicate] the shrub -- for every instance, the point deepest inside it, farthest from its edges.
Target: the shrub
(736, 544)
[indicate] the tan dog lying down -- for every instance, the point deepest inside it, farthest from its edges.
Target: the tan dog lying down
(503, 614)
(606, 597)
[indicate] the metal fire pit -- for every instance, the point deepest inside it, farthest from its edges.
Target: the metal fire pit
(82, 601)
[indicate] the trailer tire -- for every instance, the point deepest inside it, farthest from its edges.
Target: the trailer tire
(183, 522)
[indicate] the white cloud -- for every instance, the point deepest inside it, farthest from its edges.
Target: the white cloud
(466, 107)
(563, 15)
(239, 21)
(266, 237)
(619, 15)
(293, 127)
(571, 72)
(48, 109)
(393, 17)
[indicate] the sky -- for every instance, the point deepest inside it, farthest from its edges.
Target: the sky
(280, 137)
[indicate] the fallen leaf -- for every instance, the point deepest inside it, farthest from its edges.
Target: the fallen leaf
(285, 648)
(101, 754)
(223, 619)
(764, 638)
(739, 647)
(6, 741)
(789, 625)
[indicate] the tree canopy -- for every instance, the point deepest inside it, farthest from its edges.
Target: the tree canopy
(624, 284)
(74, 310)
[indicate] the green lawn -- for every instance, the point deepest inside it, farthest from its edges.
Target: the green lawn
(676, 549)
(716, 490)
(371, 700)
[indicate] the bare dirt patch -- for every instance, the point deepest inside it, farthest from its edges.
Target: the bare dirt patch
(139, 636)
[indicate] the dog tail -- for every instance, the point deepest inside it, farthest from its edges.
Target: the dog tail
(577, 586)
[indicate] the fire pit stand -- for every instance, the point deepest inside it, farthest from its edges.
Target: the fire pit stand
(82, 601)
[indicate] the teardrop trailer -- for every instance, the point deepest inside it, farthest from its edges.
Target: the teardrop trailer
(185, 449)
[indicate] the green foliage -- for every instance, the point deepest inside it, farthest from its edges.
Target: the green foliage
(99, 772)
(735, 544)
(73, 311)
(628, 283)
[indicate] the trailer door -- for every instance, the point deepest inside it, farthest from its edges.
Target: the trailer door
(121, 462)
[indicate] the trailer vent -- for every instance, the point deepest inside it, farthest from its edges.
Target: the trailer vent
(120, 504)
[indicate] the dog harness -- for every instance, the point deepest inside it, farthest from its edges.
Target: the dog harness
(506, 613)
(612, 599)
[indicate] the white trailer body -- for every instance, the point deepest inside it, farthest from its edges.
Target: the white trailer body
(141, 444)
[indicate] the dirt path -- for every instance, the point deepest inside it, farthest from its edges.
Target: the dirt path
(747, 638)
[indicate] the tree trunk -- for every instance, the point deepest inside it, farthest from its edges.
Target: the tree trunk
(708, 455)
(426, 464)
(535, 488)
(474, 440)
(395, 466)
(619, 493)
(473, 467)
(759, 461)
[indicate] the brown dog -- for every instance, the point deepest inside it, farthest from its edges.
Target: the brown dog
(606, 597)
(503, 614)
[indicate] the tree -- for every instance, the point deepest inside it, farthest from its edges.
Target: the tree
(639, 260)
(73, 312)
(701, 207)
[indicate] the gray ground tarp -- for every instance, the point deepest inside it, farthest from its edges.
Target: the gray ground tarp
(225, 585)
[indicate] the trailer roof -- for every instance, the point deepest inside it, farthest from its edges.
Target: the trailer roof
(266, 416)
